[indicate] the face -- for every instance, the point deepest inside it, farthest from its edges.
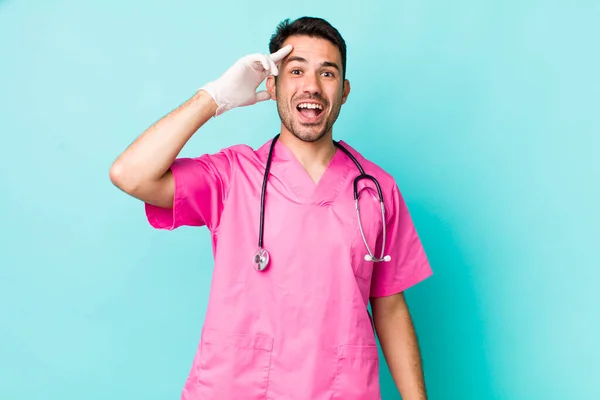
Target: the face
(310, 88)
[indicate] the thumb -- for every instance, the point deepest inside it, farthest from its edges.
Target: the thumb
(263, 95)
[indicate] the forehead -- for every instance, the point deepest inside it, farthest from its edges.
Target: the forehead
(313, 49)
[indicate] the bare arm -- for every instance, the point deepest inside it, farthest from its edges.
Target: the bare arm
(142, 170)
(398, 339)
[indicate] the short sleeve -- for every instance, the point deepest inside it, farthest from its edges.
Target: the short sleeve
(201, 186)
(409, 264)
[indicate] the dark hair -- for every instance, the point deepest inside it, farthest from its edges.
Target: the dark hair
(309, 26)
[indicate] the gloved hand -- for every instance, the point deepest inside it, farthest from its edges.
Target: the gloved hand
(237, 86)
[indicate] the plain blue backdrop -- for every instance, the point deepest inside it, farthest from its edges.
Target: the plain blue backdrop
(485, 112)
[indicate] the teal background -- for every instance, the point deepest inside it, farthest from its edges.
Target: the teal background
(485, 112)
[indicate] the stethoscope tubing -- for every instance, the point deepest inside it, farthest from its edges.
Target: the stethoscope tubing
(261, 258)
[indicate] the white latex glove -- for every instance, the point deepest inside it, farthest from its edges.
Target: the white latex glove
(237, 86)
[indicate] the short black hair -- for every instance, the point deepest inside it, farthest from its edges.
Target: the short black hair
(309, 26)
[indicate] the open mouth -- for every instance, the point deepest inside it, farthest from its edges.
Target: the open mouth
(310, 112)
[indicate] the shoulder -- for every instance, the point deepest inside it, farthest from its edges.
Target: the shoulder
(237, 154)
(392, 197)
(237, 151)
(386, 180)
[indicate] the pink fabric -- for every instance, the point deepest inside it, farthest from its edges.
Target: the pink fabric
(300, 329)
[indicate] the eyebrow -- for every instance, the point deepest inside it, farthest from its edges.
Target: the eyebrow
(323, 64)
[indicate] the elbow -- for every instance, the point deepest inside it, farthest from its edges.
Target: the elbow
(121, 178)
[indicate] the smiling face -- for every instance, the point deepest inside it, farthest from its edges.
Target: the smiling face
(310, 88)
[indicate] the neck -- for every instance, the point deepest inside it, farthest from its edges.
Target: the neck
(310, 154)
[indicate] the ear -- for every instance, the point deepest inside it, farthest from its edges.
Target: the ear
(346, 91)
(271, 87)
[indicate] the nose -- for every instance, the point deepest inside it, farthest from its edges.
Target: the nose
(311, 84)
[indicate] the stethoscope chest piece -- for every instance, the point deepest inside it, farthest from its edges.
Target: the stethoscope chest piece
(261, 259)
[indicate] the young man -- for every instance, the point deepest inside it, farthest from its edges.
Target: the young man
(295, 264)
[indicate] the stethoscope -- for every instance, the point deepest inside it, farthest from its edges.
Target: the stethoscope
(261, 258)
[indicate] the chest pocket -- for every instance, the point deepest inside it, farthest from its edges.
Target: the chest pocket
(372, 231)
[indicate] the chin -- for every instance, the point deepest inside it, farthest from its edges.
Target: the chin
(309, 136)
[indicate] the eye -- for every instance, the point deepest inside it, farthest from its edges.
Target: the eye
(329, 74)
(295, 71)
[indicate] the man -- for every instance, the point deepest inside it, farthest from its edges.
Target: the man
(287, 315)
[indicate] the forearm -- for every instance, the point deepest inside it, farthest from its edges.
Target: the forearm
(401, 350)
(145, 163)
(151, 155)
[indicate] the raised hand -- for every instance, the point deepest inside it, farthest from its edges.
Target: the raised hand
(237, 86)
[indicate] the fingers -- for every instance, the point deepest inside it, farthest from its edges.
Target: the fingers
(269, 62)
(274, 69)
(263, 95)
(261, 60)
(264, 63)
(281, 53)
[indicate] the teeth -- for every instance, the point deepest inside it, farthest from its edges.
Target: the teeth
(310, 105)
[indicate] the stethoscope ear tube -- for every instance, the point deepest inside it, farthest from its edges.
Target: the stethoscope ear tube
(371, 256)
(371, 178)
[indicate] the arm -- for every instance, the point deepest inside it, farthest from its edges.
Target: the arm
(143, 169)
(399, 344)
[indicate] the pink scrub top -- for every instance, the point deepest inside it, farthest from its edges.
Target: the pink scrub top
(300, 329)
